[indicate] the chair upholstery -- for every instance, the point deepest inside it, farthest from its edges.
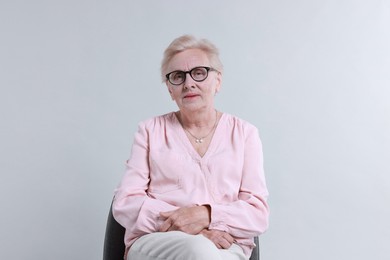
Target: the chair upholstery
(114, 246)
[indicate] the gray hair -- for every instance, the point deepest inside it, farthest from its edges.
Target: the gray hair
(186, 42)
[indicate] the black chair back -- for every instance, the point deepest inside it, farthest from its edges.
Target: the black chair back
(114, 246)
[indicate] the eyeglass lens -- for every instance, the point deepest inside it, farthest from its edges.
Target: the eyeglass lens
(198, 74)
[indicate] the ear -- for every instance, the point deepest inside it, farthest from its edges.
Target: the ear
(169, 90)
(218, 82)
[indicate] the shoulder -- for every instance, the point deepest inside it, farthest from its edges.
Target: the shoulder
(157, 121)
(235, 122)
(241, 130)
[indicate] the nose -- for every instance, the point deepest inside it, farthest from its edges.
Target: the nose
(189, 82)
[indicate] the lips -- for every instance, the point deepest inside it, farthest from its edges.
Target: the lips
(191, 95)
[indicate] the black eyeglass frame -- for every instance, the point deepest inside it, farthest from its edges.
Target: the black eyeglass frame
(190, 72)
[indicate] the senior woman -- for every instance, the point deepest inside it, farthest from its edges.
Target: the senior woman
(194, 187)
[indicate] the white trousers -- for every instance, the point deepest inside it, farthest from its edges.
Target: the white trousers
(176, 245)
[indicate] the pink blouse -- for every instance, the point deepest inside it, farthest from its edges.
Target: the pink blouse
(165, 172)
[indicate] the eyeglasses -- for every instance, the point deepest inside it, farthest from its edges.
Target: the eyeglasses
(198, 74)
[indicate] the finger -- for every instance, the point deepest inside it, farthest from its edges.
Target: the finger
(224, 243)
(229, 238)
(165, 226)
(166, 214)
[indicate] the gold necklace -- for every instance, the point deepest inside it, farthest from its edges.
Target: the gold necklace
(200, 140)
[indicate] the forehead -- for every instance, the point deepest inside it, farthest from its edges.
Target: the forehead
(188, 59)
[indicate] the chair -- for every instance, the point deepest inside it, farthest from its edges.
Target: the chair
(114, 246)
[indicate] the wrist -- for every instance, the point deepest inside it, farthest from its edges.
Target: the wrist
(208, 214)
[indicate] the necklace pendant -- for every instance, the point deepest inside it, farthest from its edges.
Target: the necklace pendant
(198, 141)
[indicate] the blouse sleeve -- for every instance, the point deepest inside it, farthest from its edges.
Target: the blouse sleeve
(132, 207)
(248, 215)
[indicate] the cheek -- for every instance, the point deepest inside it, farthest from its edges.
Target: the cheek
(211, 87)
(175, 95)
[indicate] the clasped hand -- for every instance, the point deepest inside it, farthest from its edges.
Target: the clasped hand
(195, 220)
(190, 220)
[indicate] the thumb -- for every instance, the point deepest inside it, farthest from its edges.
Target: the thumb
(166, 214)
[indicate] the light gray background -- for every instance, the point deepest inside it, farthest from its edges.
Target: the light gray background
(313, 76)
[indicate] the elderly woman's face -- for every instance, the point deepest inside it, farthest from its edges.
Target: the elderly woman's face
(193, 95)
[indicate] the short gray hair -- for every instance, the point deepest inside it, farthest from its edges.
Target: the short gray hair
(186, 42)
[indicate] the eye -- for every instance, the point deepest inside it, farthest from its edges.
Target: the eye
(177, 76)
(199, 73)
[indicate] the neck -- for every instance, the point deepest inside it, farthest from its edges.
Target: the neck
(198, 119)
